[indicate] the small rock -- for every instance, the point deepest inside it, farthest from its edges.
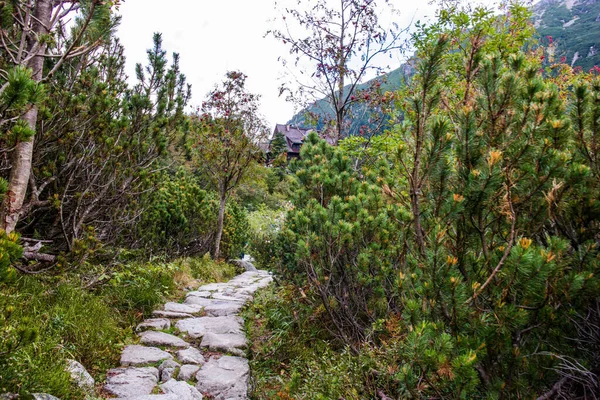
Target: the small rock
(140, 355)
(167, 370)
(183, 390)
(127, 382)
(187, 372)
(190, 356)
(44, 396)
(80, 375)
(157, 324)
(225, 378)
(155, 338)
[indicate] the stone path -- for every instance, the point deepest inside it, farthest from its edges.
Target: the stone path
(191, 349)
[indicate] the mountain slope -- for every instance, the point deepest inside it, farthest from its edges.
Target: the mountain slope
(568, 29)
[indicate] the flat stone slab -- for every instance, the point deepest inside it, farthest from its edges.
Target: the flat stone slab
(155, 338)
(197, 327)
(232, 343)
(231, 297)
(183, 390)
(126, 382)
(224, 378)
(190, 355)
(188, 372)
(157, 324)
(203, 293)
(151, 397)
(216, 308)
(140, 355)
(170, 314)
(213, 287)
(183, 308)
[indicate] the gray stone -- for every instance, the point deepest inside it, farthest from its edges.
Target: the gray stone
(155, 338)
(167, 369)
(250, 289)
(197, 327)
(190, 356)
(246, 264)
(80, 375)
(183, 390)
(170, 314)
(232, 343)
(127, 382)
(140, 355)
(157, 324)
(224, 378)
(187, 372)
(213, 287)
(151, 397)
(183, 308)
(216, 308)
(231, 297)
(44, 396)
(203, 293)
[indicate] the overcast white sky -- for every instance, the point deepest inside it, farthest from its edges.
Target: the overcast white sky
(213, 37)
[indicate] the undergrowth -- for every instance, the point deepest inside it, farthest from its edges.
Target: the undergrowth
(293, 357)
(46, 320)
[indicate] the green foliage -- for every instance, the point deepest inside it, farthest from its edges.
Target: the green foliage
(180, 219)
(346, 238)
(456, 263)
(10, 252)
(179, 216)
(265, 226)
(45, 322)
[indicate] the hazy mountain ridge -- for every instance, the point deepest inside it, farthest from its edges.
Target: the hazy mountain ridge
(568, 29)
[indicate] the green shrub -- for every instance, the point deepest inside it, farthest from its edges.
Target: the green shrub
(47, 324)
(44, 322)
(265, 226)
(465, 263)
(140, 286)
(207, 270)
(179, 219)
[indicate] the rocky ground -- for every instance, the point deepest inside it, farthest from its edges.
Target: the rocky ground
(191, 349)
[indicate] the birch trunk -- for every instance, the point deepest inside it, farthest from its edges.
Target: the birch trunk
(23, 153)
(217, 250)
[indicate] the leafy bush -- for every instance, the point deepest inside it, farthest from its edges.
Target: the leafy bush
(460, 262)
(45, 322)
(265, 225)
(179, 218)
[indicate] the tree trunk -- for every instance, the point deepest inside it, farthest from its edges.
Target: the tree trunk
(217, 249)
(22, 157)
